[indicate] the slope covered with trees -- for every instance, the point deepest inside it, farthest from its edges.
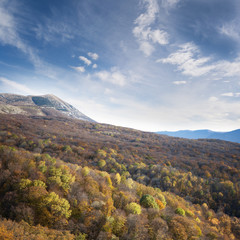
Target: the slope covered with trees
(81, 180)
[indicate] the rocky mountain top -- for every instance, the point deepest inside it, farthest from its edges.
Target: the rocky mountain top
(45, 105)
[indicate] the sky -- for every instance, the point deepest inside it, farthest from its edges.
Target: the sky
(152, 65)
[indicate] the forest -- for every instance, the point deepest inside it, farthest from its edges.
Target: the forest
(70, 179)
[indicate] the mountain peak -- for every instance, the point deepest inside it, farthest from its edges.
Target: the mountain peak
(42, 105)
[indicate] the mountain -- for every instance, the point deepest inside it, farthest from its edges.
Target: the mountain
(233, 136)
(45, 105)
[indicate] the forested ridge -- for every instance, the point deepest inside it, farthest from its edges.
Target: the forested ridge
(71, 179)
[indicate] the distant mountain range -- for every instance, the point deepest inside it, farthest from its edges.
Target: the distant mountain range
(45, 105)
(233, 136)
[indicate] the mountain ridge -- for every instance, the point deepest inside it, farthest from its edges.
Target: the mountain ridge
(41, 105)
(232, 136)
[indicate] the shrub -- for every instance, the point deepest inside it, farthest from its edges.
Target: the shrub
(81, 236)
(101, 163)
(161, 198)
(178, 230)
(180, 211)
(189, 213)
(24, 183)
(148, 201)
(212, 235)
(133, 208)
(160, 204)
(85, 171)
(117, 178)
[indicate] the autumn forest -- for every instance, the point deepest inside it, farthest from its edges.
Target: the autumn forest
(62, 178)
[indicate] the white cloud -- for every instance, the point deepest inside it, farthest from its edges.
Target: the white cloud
(231, 29)
(179, 82)
(147, 18)
(20, 88)
(54, 31)
(9, 35)
(146, 48)
(94, 56)
(230, 94)
(170, 3)
(229, 69)
(188, 61)
(143, 32)
(95, 66)
(79, 69)
(8, 28)
(85, 60)
(159, 36)
(213, 99)
(114, 76)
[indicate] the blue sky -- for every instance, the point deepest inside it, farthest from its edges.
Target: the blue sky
(146, 64)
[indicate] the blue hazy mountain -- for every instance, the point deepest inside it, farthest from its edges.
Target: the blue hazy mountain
(233, 136)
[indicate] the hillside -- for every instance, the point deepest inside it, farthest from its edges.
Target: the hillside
(46, 105)
(233, 136)
(98, 181)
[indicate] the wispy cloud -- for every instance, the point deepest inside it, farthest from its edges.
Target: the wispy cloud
(8, 27)
(188, 61)
(114, 76)
(213, 99)
(170, 3)
(10, 35)
(94, 56)
(228, 69)
(145, 35)
(180, 82)
(9, 32)
(231, 29)
(53, 32)
(230, 94)
(85, 60)
(79, 69)
(94, 66)
(20, 88)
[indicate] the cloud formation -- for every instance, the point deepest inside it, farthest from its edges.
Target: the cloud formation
(188, 61)
(145, 35)
(94, 56)
(230, 94)
(180, 82)
(79, 69)
(9, 34)
(114, 76)
(20, 88)
(231, 29)
(85, 60)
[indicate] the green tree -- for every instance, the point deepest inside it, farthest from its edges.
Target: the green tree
(58, 207)
(180, 211)
(101, 163)
(133, 208)
(148, 201)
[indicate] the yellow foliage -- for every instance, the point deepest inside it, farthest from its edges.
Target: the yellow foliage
(5, 234)
(215, 221)
(160, 204)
